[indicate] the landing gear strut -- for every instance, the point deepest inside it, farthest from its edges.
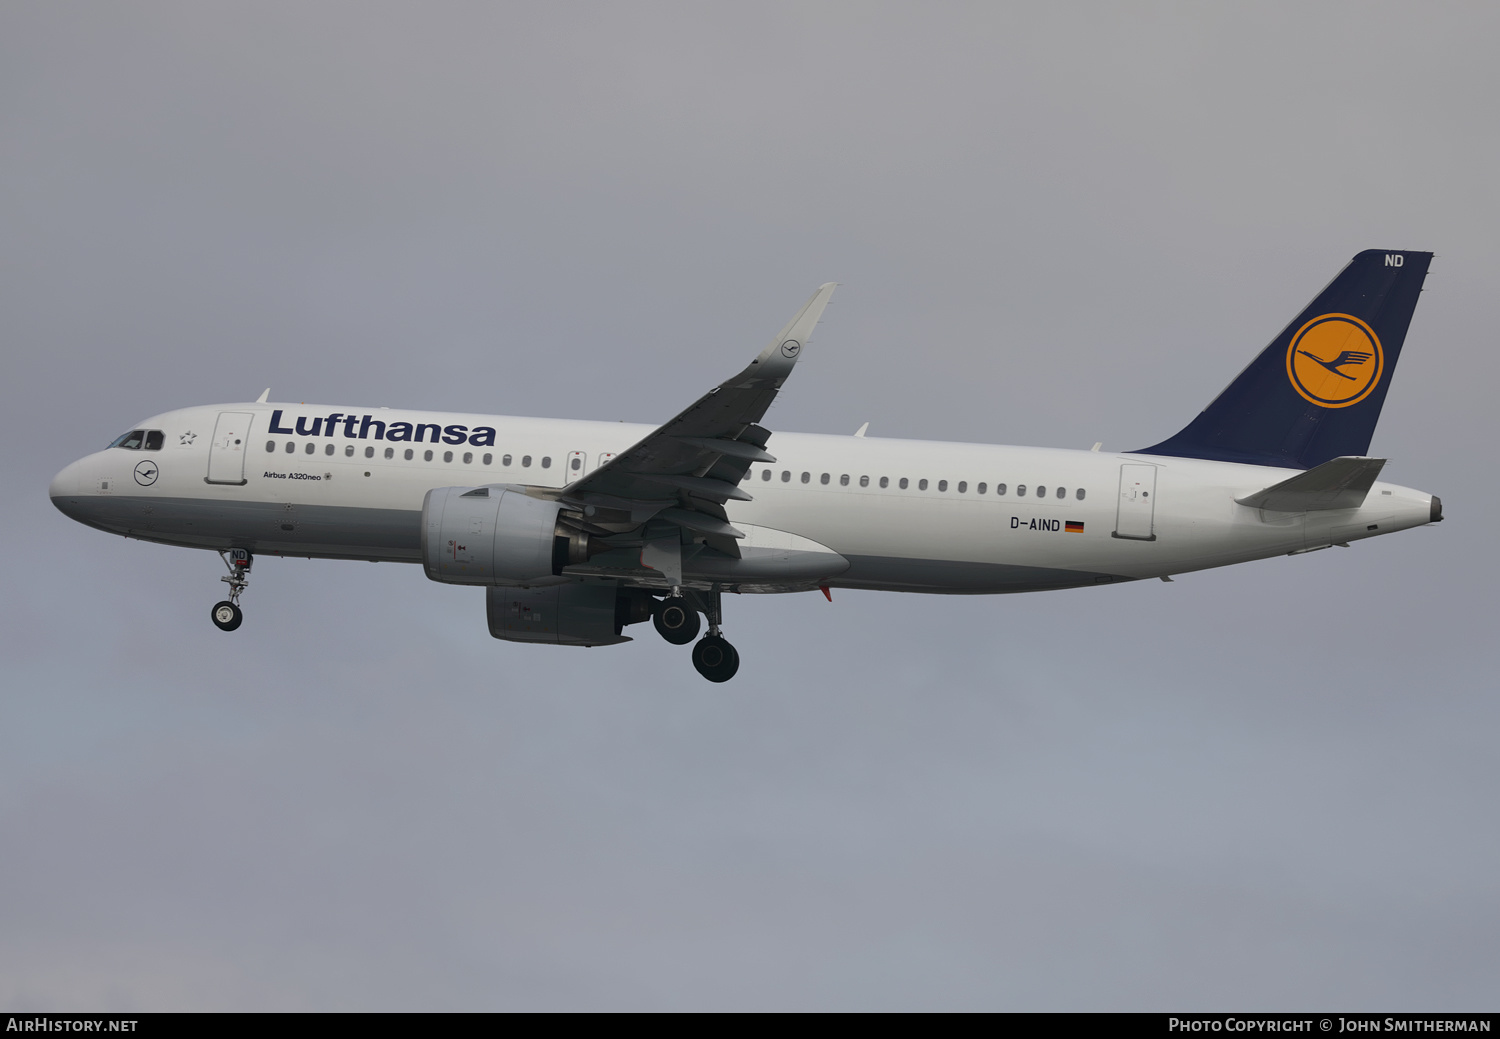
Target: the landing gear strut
(227, 614)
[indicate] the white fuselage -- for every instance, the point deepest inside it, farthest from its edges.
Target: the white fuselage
(863, 498)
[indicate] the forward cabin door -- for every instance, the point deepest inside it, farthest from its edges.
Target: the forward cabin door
(1135, 518)
(226, 453)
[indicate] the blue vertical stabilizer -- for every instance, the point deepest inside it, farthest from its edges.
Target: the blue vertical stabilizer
(1315, 393)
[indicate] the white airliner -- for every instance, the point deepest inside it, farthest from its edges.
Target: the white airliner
(578, 529)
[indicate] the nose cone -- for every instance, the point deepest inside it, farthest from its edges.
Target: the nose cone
(64, 488)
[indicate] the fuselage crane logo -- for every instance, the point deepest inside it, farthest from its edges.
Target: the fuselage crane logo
(1335, 361)
(146, 473)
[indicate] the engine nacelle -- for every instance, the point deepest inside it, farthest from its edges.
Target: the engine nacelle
(583, 612)
(490, 535)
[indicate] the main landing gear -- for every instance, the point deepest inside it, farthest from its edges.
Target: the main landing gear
(227, 614)
(676, 620)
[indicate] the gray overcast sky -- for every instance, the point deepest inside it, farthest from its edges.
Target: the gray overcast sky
(1271, 786)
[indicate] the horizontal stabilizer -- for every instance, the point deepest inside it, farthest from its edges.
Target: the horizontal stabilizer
(1339, 483)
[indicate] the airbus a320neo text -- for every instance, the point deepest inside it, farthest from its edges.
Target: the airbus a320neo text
(579, 529)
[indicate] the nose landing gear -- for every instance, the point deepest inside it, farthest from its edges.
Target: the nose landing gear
(227, 614)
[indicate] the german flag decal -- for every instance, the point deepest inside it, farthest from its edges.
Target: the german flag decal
(1073, 528)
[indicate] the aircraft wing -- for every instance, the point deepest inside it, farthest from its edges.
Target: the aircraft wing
(685, 471)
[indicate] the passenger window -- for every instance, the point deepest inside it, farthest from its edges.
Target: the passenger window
(903, 483)
(979, 489)
(1020, 490)
(311, 447)
(806, 477)
(426, 456)
(290, 447)
(526, 461)
(349, 451)
(1079, 494)
(270, 446)
(786, 476)
(153, 440)
(576, 464)
(765, 474)
(546, 461)
(447, 456)
(369, 452)
(885, 481)
(390, 452)
(468, 457)
(921, 485)
(410, 454)
(942, 485)
(1041, 492)
(505, 461)
(864, 481)
(963, 486)
(130, 441)
(328, 450)
(488, 458)
(844, 480)
(1062, 492)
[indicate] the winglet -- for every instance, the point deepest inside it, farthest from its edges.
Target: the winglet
(264, 394)
(777, 359)
(861, 430)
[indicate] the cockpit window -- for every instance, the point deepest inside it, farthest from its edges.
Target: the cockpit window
(140, 439)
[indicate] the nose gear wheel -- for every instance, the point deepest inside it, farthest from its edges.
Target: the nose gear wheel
(227, 615)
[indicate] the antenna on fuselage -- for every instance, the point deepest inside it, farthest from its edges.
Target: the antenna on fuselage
(264, 394)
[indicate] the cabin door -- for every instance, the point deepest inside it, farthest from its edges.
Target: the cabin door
(1135, 518)
(226, 453)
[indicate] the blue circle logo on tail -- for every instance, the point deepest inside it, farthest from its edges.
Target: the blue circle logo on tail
(1335, 361)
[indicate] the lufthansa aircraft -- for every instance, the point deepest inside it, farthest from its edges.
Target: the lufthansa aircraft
(578, 529)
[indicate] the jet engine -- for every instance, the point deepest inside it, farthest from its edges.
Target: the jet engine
(496, 535)
(582, 612)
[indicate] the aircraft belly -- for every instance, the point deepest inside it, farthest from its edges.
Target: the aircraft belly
(960, 577)
(269, 528)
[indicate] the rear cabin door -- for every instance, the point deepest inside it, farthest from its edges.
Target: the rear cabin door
(226, 453)
(1137, 510)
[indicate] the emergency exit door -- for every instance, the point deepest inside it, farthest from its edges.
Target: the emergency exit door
(1135, 517)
